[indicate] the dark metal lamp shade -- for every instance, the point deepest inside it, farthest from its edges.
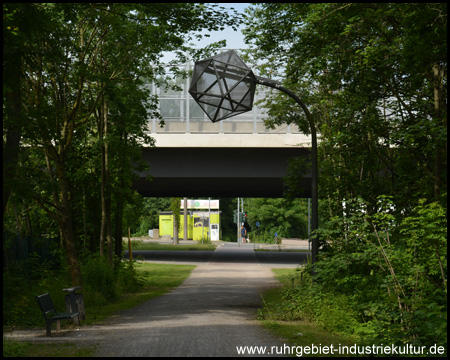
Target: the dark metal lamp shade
(223, 86)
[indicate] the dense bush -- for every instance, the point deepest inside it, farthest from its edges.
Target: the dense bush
(103, 283)
(25, 280)
(98, 279)
(380, 277)
(22, 282)
(286, 217)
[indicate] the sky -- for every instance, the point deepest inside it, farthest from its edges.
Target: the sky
(235, 39)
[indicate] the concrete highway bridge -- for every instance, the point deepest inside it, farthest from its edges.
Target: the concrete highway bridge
(238, 156)
(219, 165)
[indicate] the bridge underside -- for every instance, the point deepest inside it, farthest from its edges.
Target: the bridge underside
(219, 172)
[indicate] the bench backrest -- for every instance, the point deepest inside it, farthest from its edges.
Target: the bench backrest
(46, 304)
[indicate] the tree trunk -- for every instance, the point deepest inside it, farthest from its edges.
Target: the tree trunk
(175, 206)
(118, 228)
(108, 192)
(102, 184)
(438, 72)
(106, 229)
(64, 212)
(175, 230)
(12, 127)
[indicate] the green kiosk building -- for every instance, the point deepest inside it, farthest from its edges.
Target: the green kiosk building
(203, 221)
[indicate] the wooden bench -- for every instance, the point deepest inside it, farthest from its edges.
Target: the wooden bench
(46, 304)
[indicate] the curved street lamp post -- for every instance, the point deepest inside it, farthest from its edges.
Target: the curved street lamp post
(224, 86)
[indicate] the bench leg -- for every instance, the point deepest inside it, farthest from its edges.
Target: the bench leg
(58, 325)
(49, 328)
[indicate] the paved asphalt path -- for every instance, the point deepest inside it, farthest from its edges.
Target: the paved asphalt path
(272, 259)
(210, 314)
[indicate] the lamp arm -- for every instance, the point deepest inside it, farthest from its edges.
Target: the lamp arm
(314, 165)
(277, 85)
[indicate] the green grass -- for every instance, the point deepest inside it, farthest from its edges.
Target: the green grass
(158, 279)
(284, 250)
(298, 332)
(139, 245)
(25, 349)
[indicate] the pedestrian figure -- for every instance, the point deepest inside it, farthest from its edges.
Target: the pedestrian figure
(276, 238)
(243, 233)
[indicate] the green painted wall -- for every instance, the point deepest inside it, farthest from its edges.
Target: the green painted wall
(197, 228)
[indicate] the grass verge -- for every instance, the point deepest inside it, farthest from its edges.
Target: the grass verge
(294, 332)
(139, 245)
(26, 349)
(158, 279)
(284, 250)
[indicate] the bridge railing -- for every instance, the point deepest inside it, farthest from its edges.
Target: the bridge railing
(183, 115)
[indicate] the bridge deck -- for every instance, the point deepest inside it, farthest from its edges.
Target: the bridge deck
(221, 165)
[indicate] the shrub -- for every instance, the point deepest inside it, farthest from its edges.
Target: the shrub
(128, 279)
(22, 282)
(103, 282)
(99, 283)
(392, 269)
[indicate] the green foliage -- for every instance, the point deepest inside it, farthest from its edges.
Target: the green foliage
(334, 313)
(149, 214)
(360, 69)
(79, 75)
(175, 208)
(309, 301)
(227, 206)
(14, 349)
(287, 218)
(22, 282)
(392, 268)
(103, 283)
(128, 278)
(380, 278)
(353, 66)
(154, 280)
(230, 237)
(98, 277)
(198, 246)
(300, 305)
(46, 349)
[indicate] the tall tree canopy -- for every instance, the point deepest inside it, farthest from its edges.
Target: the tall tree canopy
(375, 78)
(76, 105)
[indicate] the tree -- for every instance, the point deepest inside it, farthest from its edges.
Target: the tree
(375, 78)
(80, 60)
(22, 25)
(175, 207)
(287, 218)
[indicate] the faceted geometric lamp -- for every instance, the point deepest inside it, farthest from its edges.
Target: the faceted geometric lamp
(223, 86)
